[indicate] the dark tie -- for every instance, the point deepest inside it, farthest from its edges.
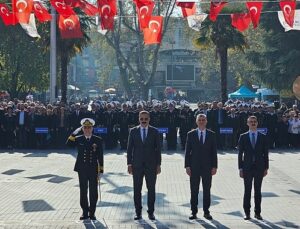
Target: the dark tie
(253, 140)
(88, 139)
(201, 137)
(144, 134)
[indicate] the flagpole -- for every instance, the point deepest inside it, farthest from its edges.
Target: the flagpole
(52, 56)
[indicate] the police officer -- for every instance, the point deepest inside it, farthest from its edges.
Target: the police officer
(89, 165)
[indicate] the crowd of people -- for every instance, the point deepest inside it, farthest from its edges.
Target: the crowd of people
(34, 125)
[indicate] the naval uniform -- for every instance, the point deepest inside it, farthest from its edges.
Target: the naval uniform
(88, 164)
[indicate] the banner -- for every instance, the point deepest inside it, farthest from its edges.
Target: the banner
(163, 130)
(226, 130)
(41, 130)
(100, 130)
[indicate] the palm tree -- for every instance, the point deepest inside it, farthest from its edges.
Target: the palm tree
(223, 36)
(68, 48)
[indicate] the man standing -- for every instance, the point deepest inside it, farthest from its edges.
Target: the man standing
(201, 161)
(253, 165)
(89, 165)
(143, 160)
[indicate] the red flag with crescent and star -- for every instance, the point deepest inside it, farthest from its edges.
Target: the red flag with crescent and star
(188, 5)
(153, 34)
(62, 8)
(215, 8)
(8, 17)
(41, 12)
(188, 11)
(22, 9)
(107, 11)
(87, 8)
(288, 9)
(144, 10)
(240, 21)
(254, 9)
(69, 27)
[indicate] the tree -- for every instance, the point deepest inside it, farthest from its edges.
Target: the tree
(134, 59)
(24, 65)
(278, 60)
(68, 48)
(222, 36)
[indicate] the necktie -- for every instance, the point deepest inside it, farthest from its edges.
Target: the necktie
(88, 139)
(201, 137)
(144, 134)
(253, 140)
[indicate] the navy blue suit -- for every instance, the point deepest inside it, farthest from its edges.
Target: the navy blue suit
(253, 162)
(201, 158)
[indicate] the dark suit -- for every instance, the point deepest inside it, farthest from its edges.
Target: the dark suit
(253, 162)
(88, 163)
(200, 158)
(144, 158)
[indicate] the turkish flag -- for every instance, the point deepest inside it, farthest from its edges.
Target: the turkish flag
(41, 12)
(254, 9)
(188, 5)
(152, 34)
(188, 12)
(144, 13)
(8, 17)
(88, 8)
(241, 21)
(69, 27)
(62, 8)
(108, 10)
(288, 9)
(22, 9)
(215, 9)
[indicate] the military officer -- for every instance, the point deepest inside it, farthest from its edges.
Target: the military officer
(89, 165)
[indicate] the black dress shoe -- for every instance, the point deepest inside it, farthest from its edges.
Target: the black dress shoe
(151, 216)
(258, 216)
(208, 216)
(247, 217)
(83, 217)
(137, 217)
(93, 217)
(193, 216)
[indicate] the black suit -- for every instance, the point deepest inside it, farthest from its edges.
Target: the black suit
(88, 163)
(253, 162)
(200, 158)
(144, 157)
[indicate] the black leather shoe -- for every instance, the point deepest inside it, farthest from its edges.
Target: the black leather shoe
(247, 217)
(193, 216)
(208, 216)
(83, 217)
(258, 216)
(151, 216)
(93, 217)
(137, 217)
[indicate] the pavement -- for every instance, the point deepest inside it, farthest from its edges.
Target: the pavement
(39, 189)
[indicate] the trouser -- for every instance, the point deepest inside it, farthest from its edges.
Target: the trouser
(88, 181)
(249, 177)
(194, 186)
(150, 176)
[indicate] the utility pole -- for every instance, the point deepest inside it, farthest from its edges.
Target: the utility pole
(52, 56)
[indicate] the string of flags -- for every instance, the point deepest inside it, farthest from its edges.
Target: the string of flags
(24, 12)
